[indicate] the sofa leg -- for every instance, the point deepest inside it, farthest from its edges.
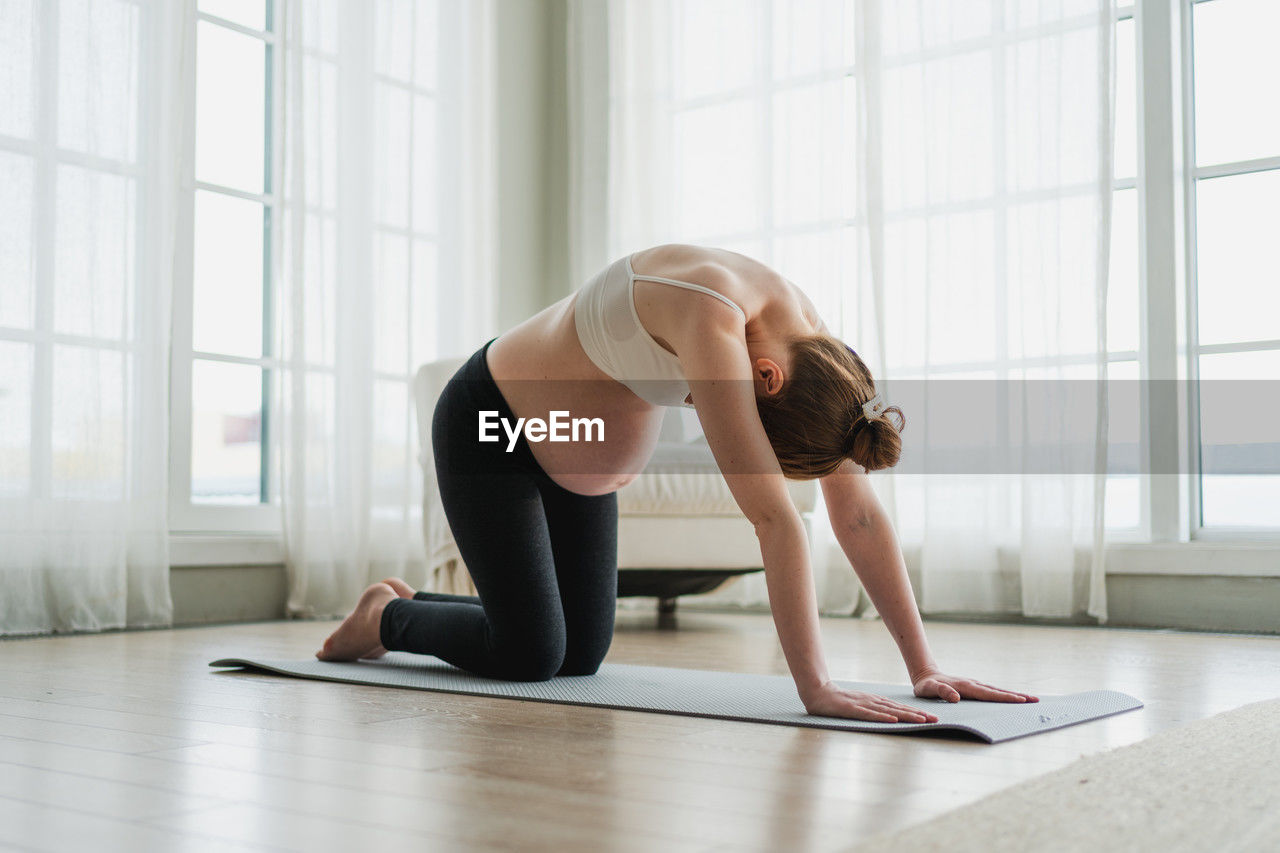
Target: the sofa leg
(666, 606)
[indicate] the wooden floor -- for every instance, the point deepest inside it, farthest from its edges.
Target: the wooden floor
(129, 741)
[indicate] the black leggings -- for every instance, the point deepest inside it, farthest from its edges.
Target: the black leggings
(544, 560)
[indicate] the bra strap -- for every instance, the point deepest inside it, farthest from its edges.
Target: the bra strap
(688, 285)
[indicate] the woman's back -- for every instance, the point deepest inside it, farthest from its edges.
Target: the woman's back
(542, 366)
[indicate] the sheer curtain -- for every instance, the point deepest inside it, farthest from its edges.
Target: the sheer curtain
(93, 135)
(388, 238)
(936, 176)
(988, 189)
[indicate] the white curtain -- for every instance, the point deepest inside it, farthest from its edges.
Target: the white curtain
(93, 139)
(388, 244)
(936, 175)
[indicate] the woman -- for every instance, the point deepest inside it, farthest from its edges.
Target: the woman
(536, 520)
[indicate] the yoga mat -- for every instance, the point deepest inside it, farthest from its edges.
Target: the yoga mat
(702, 693)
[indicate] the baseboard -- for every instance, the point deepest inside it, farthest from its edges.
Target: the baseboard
(1196, 603)
(210, 594)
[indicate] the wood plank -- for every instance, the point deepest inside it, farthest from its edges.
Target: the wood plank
(33, 826)
(129, 740)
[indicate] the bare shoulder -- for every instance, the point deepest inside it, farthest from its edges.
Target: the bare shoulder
(697, 264)
(771, 303)
(743, 279)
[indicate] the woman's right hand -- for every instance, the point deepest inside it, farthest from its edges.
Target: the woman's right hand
(832, 701)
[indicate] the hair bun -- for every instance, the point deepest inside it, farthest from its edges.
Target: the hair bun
(875, 443)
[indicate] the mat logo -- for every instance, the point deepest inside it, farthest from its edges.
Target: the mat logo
(558, 427)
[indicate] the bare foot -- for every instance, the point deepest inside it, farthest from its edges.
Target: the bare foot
(359, 636)
(402, 589)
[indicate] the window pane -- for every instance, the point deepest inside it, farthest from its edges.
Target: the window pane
(94, 259)
(1240, 501)
(392, 437)
(718, 46)
(1029, 86)
(98, 77)
(17, 209)
(812, 35)
(717, 185)
(1122, 287)
(1236, 67)
(17, 67)
(318, 291)
(320, 25)
(15, 417)
(391, 303)
(813, 164)
(1122, 503)
(1051, 249)
(815, 264)
(916, 27)
(1124, 422)
(426, 198)
(426, 322)
(88, 429)
(246, 13)
(392, 153)
(230, 100)
(395, 32)
(1240, 439)
(1238, 251)
(226, 429)
(1126, 153)
(319, 145)
(426, 22)
(227, 302)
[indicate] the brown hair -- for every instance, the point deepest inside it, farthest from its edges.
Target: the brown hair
(815, 421)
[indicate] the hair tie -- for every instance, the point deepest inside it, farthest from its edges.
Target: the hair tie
(873, 407)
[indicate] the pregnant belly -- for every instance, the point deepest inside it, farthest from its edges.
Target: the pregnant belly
(599, 457)
(600, 465)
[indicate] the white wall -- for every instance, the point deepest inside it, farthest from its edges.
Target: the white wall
(532, 158)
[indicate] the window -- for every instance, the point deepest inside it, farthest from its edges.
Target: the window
(223, 347)
(262, 331)
(69, 201)
(1236, 221)
(780, 79)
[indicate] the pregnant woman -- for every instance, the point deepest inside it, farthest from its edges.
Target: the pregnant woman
(536, 520)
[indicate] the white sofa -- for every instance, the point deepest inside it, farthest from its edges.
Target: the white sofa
(679, 530)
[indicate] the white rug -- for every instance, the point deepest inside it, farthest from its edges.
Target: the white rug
(1212, 785)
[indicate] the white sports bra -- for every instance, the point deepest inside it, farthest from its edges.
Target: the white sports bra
(618, 343)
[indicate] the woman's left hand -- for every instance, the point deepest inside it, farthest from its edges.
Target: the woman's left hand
(936, 685)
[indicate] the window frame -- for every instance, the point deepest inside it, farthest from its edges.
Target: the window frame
(1165, 185)
(1193, 175)
(187, 517)
(1169, 350)
(41, 332)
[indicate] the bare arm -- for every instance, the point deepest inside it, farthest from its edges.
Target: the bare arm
(863, 530)
(719, 373)
(865, 535)
(719, 376)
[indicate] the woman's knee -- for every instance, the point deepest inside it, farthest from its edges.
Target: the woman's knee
(533, 659)
(583, 660)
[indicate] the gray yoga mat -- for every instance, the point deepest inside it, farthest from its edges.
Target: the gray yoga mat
(701, 693)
